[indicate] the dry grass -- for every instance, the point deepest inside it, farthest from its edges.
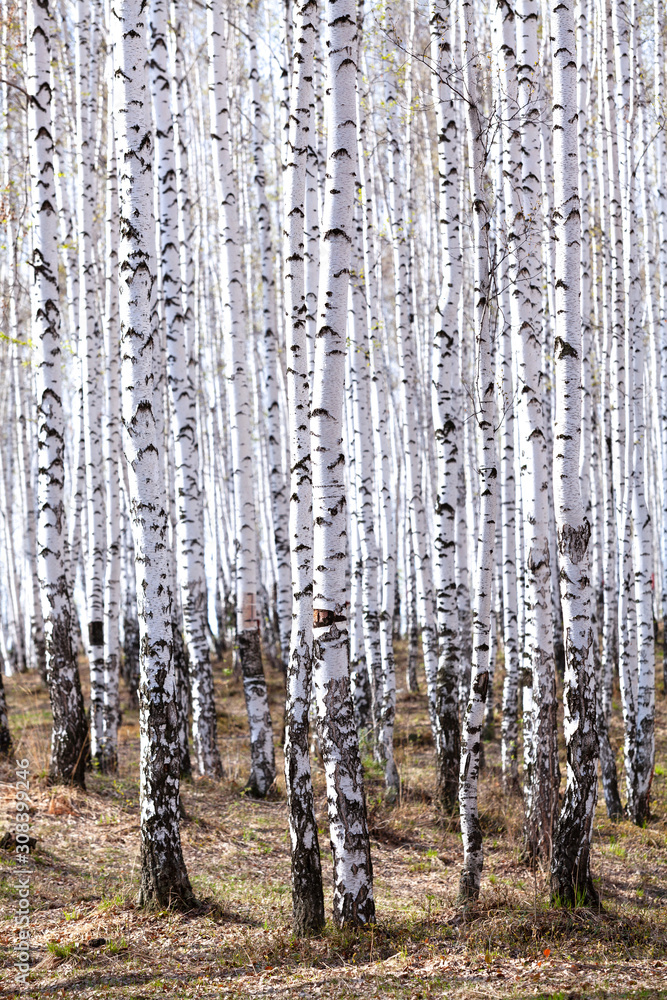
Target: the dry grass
(239, 944)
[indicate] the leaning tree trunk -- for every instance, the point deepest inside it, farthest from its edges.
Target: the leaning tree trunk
(263, 768)
(570, 869)
(307, 895)
(164, 879)
(353, 874)
(69, 736)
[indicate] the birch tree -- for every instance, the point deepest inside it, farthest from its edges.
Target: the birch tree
(353, 873)
(69, 736)
(485, 415)
(570, 868)
(307, 895)
(164, 879)
(263, 769)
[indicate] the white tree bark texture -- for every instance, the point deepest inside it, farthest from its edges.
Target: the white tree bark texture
(541, 779)
(570, 867)
(108, 750)
(69, 736)
(307, 895)
(263, 768)
(91, 353)
(353, 874)
(447, 427)
(485, 416)
(272, 398)
(190, 536)
(164, 879)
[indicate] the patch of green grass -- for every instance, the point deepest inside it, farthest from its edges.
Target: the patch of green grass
(60, 950)
(109, 902)
(114, 947)
(72, 915)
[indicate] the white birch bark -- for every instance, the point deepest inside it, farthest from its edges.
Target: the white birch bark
(411, 429)
(70, 731)
(263, 768)
(541, 778)
(190, 538)
(108, 750)
(91, 353)
(164, 879)
(570, 869)
(353, 874)
(270, 385)
(377, 410)
(485, 416)
(24, 404)
(446, 428)
(307, 896)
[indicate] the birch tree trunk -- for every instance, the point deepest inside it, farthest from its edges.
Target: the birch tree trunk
(571, 880)
(91, 350)
(541, 778)
(190, 537)
(376, 404)
(485, 415)
(277, 484)
(307, 895)
(263, 768)
(164, 879)
(444, 402)
(69, 737)
(353, 873)
(108, 751)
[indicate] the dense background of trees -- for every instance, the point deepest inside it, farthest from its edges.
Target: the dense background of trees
(326, 324)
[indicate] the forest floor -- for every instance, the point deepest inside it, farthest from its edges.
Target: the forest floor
(88, 939)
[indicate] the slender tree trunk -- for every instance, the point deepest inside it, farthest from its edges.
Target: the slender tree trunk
(541, 778)
(164, 879)
(69, 736)
(307, 896)
(263, 768)
(570, 870)
(353, 873)
(190, 538)
(485, 415)
(91, 350)
(271, 395)
(108, 750)
(444, 402)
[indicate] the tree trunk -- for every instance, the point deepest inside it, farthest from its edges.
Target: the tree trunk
(541, 779)
(353, 873)
(571, 881)
(447, 429)
(485, 415)
(69, 738)
(164, 879)
(108, 751)
(263, 769)
(307, 895)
